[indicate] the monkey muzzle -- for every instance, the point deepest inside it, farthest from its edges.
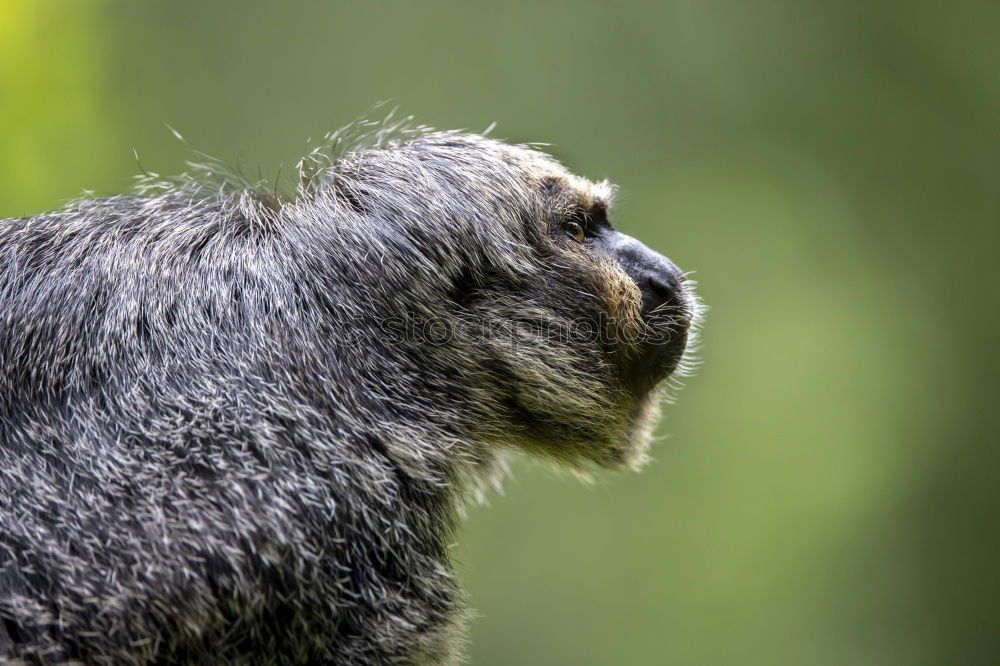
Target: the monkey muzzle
(668, 309)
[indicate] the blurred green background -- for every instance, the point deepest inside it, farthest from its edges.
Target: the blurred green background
(826, 488)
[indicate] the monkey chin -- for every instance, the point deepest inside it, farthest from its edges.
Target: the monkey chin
(649, 381)
(632, 450)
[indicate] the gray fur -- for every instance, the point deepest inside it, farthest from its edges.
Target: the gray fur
(222, 439)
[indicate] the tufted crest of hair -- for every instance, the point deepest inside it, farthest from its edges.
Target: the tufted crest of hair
(246, 423)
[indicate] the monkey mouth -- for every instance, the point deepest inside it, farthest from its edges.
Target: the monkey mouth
(661, 351)
(659, 359)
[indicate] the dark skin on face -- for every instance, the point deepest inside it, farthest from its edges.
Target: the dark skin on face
(665, 307)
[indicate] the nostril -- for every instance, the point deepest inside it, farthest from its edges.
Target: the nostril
(661, 289)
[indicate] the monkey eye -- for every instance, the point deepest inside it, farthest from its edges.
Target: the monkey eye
(575, 231)
(575, 227)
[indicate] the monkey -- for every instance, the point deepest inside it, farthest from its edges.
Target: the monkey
(241, 427)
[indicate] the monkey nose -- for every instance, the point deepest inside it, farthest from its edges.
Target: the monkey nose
(663, 292)
(661, 289)
(659, 280)
(663, 285)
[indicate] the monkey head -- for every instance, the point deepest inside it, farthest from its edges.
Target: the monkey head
(550, 330)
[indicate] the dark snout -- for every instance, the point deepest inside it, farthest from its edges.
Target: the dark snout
(658, 278)
(667, 306)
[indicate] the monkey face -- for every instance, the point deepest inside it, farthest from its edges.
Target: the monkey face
(636, 304)
(562, 329)
(654, 335)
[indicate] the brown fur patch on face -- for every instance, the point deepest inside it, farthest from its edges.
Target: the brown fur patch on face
(624, 304)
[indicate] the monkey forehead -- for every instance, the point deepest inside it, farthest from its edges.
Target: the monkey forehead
(587, 193)
(593, 194)
(493, 161)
